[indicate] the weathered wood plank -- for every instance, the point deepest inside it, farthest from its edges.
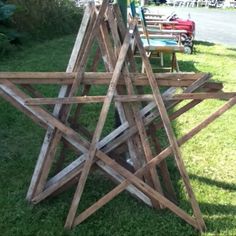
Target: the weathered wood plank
(130, 98)
(89, 77)
(152, 177)
(111, 57)
(50, 144)
(164, 172)
(170, 134)
(97, 133)
(122, 109)
(48, 148)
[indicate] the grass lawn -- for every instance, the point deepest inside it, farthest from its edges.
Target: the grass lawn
(210, 158)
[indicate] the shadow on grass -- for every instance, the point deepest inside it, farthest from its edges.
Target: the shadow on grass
(218, 217)
(204, 43)
(223, 54)
(219, 184)
(232, 49)
(218, 209)
(188, 66)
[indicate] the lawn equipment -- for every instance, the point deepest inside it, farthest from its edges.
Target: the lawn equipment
(181, 24)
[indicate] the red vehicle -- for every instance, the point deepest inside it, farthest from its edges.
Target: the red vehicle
(181, 24)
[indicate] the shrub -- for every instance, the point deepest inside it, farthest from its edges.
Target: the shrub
(8, 35)
(47, 19)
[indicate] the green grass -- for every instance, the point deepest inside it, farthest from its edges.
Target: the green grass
(210, 158)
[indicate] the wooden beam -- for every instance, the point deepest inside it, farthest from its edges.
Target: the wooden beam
(129, 98)
(134, 144)
(151, 177)
(47, 151)
(89, 77)
(170, 134)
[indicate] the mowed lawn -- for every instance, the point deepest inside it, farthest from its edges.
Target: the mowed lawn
(210, 158)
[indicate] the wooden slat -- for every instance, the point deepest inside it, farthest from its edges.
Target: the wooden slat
(130, 98)
(125, 114)
(152, 177)
(110, 58)
(48, 148)
(122, 109)
(98, 130)
(164, 172)
(101, 78)
(170, 133)
(89, 77)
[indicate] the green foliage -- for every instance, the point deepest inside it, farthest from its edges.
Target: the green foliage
(4, 44)
(47, 19)
(7, 34)
(6, 10)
